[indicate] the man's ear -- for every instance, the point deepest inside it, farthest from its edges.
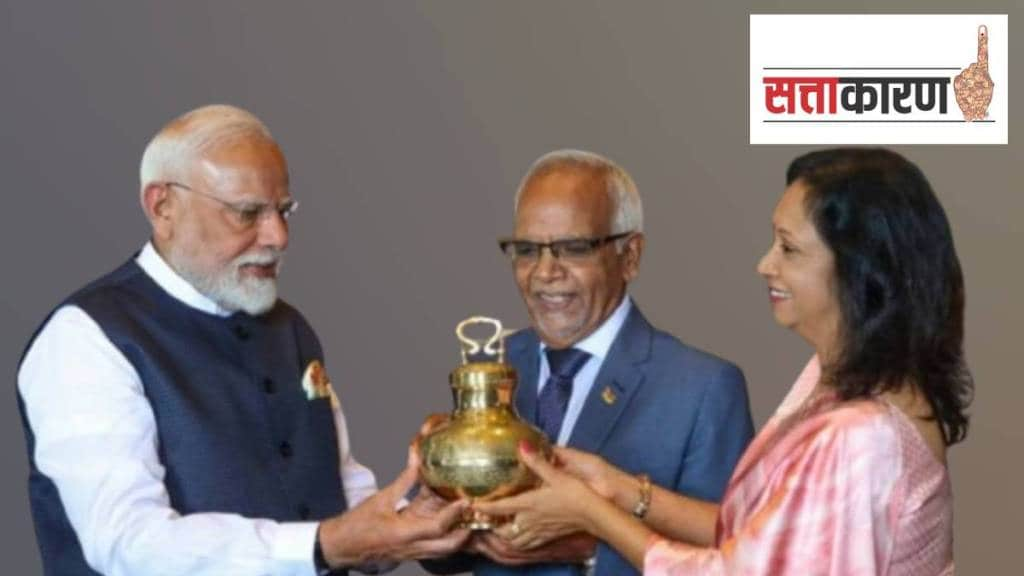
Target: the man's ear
(159, 205)
(631, 253)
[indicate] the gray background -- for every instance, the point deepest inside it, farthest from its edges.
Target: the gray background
(407, 127)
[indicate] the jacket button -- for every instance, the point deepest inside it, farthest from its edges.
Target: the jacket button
(304, 512)
(241, 332)
(285, 449)
(268, 386)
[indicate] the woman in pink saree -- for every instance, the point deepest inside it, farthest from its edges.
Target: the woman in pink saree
(848, 477)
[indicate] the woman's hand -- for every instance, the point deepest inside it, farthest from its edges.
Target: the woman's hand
(556, 509)
(601, 476)
(615, 485)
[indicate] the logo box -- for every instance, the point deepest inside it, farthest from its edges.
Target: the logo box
(878, 79)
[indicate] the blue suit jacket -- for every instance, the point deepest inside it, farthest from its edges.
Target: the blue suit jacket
(680, 415)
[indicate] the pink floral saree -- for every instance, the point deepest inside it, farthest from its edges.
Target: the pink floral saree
(827, 488)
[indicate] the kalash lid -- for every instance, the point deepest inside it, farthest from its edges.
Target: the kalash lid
(477, 374)
(491, 369)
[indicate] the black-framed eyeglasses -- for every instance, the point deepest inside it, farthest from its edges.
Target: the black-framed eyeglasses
(567, 248)
(247, 214)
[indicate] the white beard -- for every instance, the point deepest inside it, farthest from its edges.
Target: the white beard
(228, 288)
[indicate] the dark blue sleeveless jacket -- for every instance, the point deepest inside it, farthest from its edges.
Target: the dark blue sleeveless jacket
(236, 431)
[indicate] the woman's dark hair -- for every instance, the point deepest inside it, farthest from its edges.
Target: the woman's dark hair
(900, 289)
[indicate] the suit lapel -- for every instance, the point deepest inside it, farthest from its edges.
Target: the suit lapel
(523, 354)
(617, 381)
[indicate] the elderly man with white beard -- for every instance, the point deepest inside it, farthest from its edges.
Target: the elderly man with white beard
(178, 415)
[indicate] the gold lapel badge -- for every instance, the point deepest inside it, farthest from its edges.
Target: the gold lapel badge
(608, 396)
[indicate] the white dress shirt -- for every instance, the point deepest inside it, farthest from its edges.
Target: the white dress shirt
(96, 438)
(597, 345)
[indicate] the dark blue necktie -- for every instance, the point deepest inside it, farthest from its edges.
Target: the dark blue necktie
(554, 398)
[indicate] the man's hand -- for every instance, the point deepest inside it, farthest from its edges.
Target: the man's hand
(430, 423)
(572, 549)
(426, 505)
(375, 532)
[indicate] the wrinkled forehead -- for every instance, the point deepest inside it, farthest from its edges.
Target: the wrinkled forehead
(581, 178)
(251, 156)
(564, 194)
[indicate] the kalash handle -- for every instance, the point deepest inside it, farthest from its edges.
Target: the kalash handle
(493, 346)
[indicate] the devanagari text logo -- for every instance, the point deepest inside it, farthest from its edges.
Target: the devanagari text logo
(814, 80)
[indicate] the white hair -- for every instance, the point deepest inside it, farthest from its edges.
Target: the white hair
(186, 138)
(628, 210)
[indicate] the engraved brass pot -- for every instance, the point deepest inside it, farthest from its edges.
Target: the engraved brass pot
(474, 454)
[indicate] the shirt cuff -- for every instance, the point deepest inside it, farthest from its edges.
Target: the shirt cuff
(292, 545)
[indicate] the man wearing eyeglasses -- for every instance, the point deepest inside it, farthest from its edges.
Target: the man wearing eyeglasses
(178, 415)
(594, 373)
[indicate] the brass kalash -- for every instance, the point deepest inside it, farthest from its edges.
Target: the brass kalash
(474, 454)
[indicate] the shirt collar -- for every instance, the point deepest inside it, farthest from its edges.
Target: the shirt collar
(600, 341)
(154, 265)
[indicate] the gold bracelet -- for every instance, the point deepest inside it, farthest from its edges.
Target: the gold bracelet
(644, 504)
